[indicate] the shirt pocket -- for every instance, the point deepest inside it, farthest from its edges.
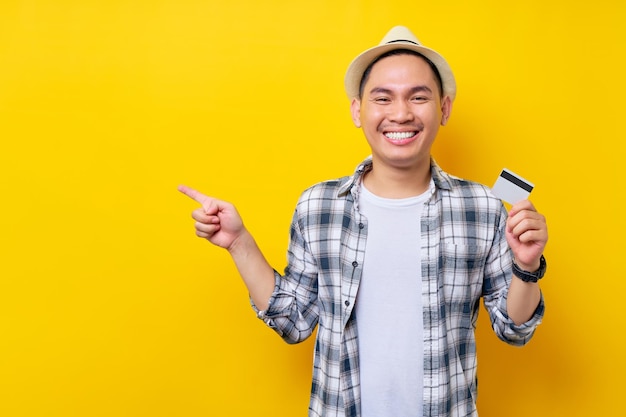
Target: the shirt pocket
(461, 271)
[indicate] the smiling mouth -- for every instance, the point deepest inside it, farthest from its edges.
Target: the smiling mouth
(400, 135)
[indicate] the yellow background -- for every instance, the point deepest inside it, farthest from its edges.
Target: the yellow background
(109, 305)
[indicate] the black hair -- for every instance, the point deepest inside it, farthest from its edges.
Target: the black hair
(395, 52)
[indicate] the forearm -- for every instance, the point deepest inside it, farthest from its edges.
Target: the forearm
(256, 272)
(522, 300)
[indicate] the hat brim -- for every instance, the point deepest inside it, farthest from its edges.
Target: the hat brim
(358, 66)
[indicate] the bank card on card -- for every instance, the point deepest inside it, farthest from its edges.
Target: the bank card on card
(511, 188)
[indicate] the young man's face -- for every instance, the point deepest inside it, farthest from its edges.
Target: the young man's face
(401, 111)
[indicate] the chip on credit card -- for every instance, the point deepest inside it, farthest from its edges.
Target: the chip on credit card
(511, 188)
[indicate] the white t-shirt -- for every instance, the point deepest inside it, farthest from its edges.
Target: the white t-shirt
(389, 308)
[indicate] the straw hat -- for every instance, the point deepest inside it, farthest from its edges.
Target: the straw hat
(398, 37)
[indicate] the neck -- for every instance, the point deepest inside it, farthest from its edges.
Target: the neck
(398, 183)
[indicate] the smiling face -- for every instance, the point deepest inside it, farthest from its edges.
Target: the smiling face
(400, 112)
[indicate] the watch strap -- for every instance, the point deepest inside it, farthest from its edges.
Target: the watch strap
(531, 276)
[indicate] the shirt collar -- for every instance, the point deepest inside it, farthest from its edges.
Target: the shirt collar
(440, 178)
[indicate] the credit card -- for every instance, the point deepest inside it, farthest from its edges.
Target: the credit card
(511, 188)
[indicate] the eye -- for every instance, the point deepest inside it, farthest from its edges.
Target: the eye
(381, 100)
(419, 99)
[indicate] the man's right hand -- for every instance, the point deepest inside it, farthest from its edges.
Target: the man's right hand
(220, 223)
(217, 221)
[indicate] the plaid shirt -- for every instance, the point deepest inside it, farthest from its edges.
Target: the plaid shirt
(465, 256)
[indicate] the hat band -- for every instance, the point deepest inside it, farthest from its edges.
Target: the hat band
(403, 40)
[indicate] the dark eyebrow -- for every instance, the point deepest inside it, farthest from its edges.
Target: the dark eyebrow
(416, 89)
(421, 89)
(380, 90)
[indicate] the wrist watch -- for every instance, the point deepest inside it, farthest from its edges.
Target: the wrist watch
(531, 276)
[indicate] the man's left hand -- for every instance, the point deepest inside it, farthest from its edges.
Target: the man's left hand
(526, 234)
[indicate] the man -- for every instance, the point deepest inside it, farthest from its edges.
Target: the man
(390, 263)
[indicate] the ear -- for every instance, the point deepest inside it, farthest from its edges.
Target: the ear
(446, 109)
(355, 109)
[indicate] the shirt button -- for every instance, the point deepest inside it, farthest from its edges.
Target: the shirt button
(347, 303)
(361, 225)
(355, 264)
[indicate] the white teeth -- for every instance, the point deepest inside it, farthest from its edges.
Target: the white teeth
(399, 135)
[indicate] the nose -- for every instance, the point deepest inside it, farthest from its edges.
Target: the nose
(400, 112)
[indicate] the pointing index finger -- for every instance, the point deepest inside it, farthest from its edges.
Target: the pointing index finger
(193, 194)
